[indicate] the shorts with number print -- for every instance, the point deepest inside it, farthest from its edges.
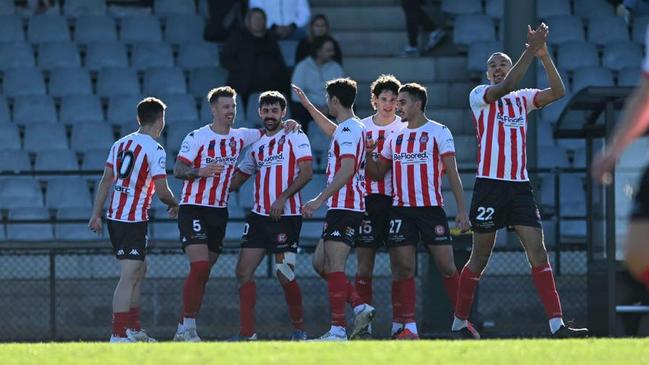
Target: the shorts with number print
(498, 204)
(275, 236)
(342, 225)
(129, 239)
(374, 229)
(202, 225)
(411, 225)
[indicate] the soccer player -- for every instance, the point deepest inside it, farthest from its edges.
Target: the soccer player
(282, 164)
(634, 123)
(502, 195)
(344, 195)
(418, 156)
(135, 169)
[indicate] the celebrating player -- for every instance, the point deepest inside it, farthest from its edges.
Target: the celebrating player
(418, 156)
(344, 195)
(134, 170)
(282, 163)
(502, 195)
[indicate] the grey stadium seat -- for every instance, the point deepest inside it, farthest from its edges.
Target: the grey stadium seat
(479, 52)
(9, 137)
(94, 160)
(48, 28)
(629, 76)
(105, 54)
(460, 7)
(78, 8)
(4, 111)
(56, 160)
(565, 28)
(23, 81)
(115, 81)
(88, 136)
(473, 28)
(591, 76)
(141, 28)
(7, 7)
(495, 8)
(58, 54)
(20, 192)
(16, 160)
(11, 29)
(202, 80)
(70, 81)
(622, 54)
(639, 32)
(593, 8)
(180, 29)
(548, 8)
(542, 78)
(29, 109)
(198, 54)
(609, 28)
(45, 136)
(177, 132)
(173, 7)
(122, 110)
(77, 109)
(29, 231)
(180, 108)
(94, 28)
(572, 55)
(75, 231)
(146, 55)
(164, 80)
(16, 55)
(466, 150)
(66, 192)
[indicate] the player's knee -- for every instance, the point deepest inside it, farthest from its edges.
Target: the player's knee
(243, 274)
(200, 270)
(318, 267)
(537, 256)
(365, 269)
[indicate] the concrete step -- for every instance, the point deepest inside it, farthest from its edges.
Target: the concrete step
(366, 17)
(365, 43)
(367, 69)
(350, 3)
(451, 69)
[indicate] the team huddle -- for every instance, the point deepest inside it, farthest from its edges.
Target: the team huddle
(384, 189)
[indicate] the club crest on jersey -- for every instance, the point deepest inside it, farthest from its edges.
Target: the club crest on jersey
(282, 237)
(162, 161)
(233, 143)
(423, 139)
(261, 148)
(399, 140)
(184, 147)
(282, 140)
(440, 230)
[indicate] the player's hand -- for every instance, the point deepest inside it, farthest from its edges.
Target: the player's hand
(370, 145)
(462, 221)
(543, 51)
(310, 207)
(602, 166)
(291, 125)
(300, 94)
(537, 38)
(277, 209)
(95, 224)
(172, 211)
(211, 170)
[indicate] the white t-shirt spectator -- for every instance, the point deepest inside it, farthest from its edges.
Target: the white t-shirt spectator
(284, 12)
(311, 79)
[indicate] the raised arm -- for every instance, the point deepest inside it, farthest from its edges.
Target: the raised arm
(326, 125)
(341, 178)
(302, 178)
(556, 90)
(95, 223)
(450, 165)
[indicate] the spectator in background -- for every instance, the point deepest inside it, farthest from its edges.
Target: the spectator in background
(417, 18)
(253, 58)
(318, 27)
(287, 19)
(312, 73)
(224, 16)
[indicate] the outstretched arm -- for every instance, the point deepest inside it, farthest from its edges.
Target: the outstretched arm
(95, 223)
(326, 125)
(556, 90)
(341, 178)
(450, 165)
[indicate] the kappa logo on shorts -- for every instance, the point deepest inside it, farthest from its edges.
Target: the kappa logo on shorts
(282, 237)
(134, 252)
(120, 252)
(440, 230)
(335, 234)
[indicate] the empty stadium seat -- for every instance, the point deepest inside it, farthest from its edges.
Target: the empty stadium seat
(15, 161)
(549, 8)
(116, 81)
(94, 28)
(45, 136)
(639, 32)
(58, 54)
(287, 48)
(473, 28)
(4, 111)
(573, 55)
(203, 79)
(23, 81)
(67, 192)
(180, 108)
(11, 29)
(70, 81)
(173, 7)
(141, 28)
(177, 132)
(48, 28)
(460, 7)
(495, 8)
(20, 192)
(619, 55)
(608, 29)
(542, 79)
(77, 8)
(156, 54)
(105, 54)
(56, 160)
(629, 76)
(198, 54)
(77, 109)
(122, 110)
(593, 8)
(181, 29)
(479, 52)
(75, 231)
(466, 150)
(565, 28)
(16, 54)
(29, 109)
(164, 80)
(9, 137)
(89, 136)
(7, 7)
(29, 231)
(94, 160)
(591, 76)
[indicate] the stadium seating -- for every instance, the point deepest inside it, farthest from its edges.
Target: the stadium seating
(572, 55)
(14, 160)
(593, 8)
(5, 117)
(151, 54)
(11, 29)
(77, 8)
(9, 137)
(122, 110)
(105, 54)
(23, 81)
(462, 7)
(565, 28)
(77, 109)
(252, 112)
(94, 160)
(16, 54)
(495, 8)
(552, 156)
(7, 7)
(198, 54)
(479, 52)
(639, 31)
(30, 109)
(29, 231)
(70, 81)
(173, 7)
(203, 79)
(629, 76)
(20, 192)
(141, 28)
(75, 231)
(94, 28)
(549, 8)
(591, 76)
(45, 136)
(177, 132)
(48, 28)
(619, 55)
(56, 160)
(180, 29)
(116, 81)
(610, 28)
(67, 192)
(180, 108)
(473, 28)
(58, 54)
(542, 79)
(466, 151)
(164, 80)
(89, 136)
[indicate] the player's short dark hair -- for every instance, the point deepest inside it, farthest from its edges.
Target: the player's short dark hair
(272, 97)
(344, 89)
(385, 83)
(417, 91)
(149, 110)
(222, 91)
(318, 43)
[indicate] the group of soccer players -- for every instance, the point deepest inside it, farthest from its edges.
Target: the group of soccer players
(384, 177)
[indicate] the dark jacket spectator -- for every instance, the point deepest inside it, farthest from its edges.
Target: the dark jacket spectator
(253, 58)
(318, 27)
(224, 17)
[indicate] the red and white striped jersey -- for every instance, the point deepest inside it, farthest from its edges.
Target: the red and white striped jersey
(136, 160)
(348, 141)
(275, 159)
(417, 167)
(501, 129)
(380, 134)
(202, 147)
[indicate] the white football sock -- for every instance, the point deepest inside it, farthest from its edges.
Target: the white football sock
(396, 327)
